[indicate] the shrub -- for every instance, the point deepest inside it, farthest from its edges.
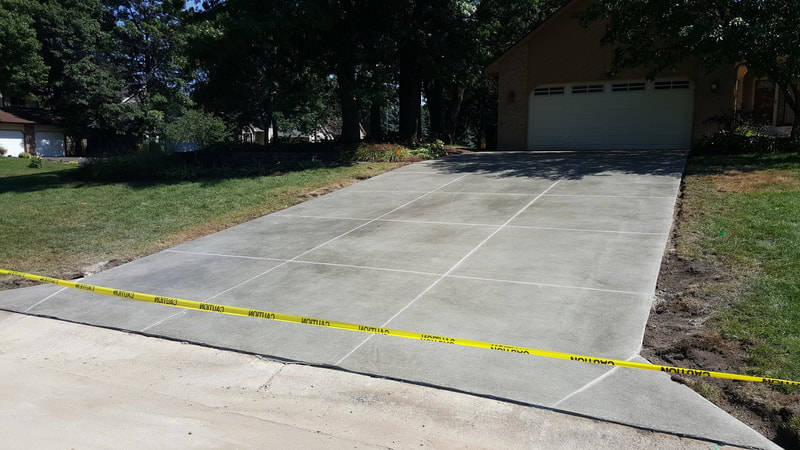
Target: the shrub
(3, 151)
(379, 153)
(145, 164)
(430, 151)
(151, 164)
(24, 155)
(36, 162)
(199, 127)
(392, 152)
(744, 141)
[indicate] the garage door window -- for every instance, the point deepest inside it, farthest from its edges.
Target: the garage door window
(664, 85)
(559, 90)
(627, 87)
(588, 89)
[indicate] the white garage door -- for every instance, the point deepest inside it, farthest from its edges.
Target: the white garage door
(12, 141)
(49, 143)
(611, 115)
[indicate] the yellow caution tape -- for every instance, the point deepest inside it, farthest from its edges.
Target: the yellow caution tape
(259, 314)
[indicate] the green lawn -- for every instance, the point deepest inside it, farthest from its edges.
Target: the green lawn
(742, 214)
(54, 224)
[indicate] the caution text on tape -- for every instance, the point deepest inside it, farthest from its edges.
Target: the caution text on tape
(269, 315)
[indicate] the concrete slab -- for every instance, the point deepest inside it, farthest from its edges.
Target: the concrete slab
(272, 236)
(458, 247)
(607, 185)
(521, 378)
(197, 277)
(463, 208)
(23, 299)
(424, 247)
(351, 204)
(311, 290)
(639, 397)
(558, 319)
(499, 184)
(407, 180)
(628, 214)
(606, 261)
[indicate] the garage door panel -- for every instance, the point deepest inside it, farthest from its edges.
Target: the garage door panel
(50, 143)
(658, 119)
(13, 141)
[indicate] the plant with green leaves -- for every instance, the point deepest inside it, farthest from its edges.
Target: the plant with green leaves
(199, 127)
(149, 41)
(22, 69)
(761, 34)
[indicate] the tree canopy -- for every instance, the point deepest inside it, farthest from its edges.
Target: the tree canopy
(149, 67)
(22, 68)
(761, 34)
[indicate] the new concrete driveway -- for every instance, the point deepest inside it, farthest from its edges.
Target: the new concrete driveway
(556, 251)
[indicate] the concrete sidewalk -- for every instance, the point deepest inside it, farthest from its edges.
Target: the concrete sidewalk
(73, 386)
(555, 251)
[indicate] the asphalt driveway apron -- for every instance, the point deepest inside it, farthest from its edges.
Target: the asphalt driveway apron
(557, 251)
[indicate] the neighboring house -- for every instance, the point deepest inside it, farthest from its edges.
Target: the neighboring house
(556, 92)
(31, 130)
(325, 133)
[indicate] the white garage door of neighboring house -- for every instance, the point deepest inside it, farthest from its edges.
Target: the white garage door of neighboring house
(49, 143)
(611, 115)
(12, 141)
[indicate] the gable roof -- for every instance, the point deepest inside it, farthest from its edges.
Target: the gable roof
(494, 67)
(28, 116)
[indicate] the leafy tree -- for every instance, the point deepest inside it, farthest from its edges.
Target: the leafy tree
(443, 47)
(255, 67)
(197, 126)
(495, 26)
(463, 37)
(337, 32)
(762, 34)
(83, 86)
(22, 69)
(148, 47)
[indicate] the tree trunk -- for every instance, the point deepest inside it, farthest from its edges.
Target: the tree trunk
(791, 93)
(793, 101)
(410, 84)
(346, 76)
(375, 125)
(453, 108)
(272, 124)
(434, 94)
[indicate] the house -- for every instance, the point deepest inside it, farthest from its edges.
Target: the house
(556, 91)
(325, 133)
(32, 131)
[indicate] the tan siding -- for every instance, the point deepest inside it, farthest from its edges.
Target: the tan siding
(512, 126)
(563, 51)
(560, 51)
(707, 103)
(12, 126)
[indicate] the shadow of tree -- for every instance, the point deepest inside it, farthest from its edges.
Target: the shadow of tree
(548, 165)
(210, 176)
(716, 164)
(37, 182)
(566, 165)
